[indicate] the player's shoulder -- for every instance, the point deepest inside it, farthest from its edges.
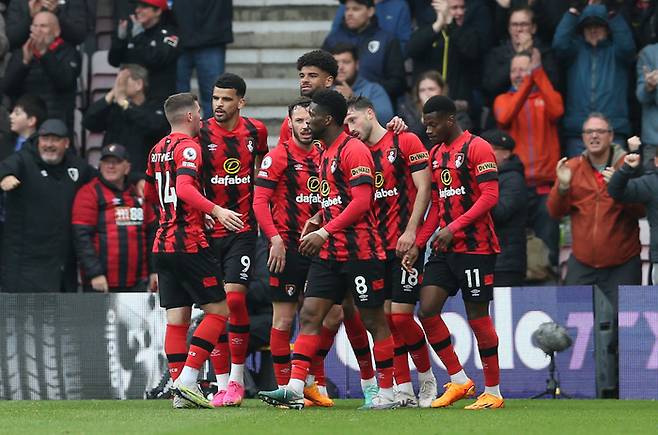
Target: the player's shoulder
(478, 142)
(276, 155)
(258, 124)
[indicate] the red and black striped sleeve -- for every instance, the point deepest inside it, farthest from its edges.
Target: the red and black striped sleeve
(357, 163)
(483, 160)
(414, 152)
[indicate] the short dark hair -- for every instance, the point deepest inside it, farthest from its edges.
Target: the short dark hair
(440, 104)
(360, 103)
(299, 102)
(232, 81)
(33, 105)
(137, 72)
(598, 115)
(527, 9)
(332, 103)
(321, 59)
(345, 47)
(176, 103)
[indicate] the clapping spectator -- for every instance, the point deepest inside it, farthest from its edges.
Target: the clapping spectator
(72, 16)
(46, 66)
(147, 40)
(380, 56)
(597, 52)
(350, 84)
(128, 117)
(647, 81)
(530, 112)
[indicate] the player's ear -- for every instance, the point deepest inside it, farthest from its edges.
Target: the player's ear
(241, 103)
(329, 82)
(289, 122)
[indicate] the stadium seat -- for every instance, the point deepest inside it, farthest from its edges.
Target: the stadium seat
(102, 75)
(104, 30)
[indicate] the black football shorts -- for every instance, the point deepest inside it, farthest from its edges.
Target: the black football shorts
(235, 254)
(399, 285)
(452, 271)
(289, 284)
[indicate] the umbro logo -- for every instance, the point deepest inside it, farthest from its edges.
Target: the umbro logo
(298, 166)
(212, 147)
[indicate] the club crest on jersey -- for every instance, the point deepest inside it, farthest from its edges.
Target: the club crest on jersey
(250, 144)
(373, 46)
(290, 289)
(189, 153)
(73, 173)
(334, 164)
(435, 164)
(267, 162)
(392, 155)
(459, 159)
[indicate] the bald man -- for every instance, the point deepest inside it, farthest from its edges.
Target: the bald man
(47, 66)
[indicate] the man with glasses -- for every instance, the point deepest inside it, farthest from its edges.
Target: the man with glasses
(605, 234)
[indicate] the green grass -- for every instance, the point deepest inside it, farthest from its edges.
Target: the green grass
(145, 417)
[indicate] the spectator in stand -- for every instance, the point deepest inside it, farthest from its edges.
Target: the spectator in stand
(530, 112)
(597, 52)
(41, 180)
(392, 15)
(4, 42)
(47, 66)
(509, 214)
(380, 57)
(127, 117)
(605, 233)
(113, 229)
(624, 187)
(150, 42)
(522, 30)
(349, 83)
(641, 17)
(465, 29)
(647, 81)
(26, 117)
(72, 16)
(547, 15)
(205, 28)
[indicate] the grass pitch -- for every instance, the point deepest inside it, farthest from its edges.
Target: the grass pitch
(157, 417)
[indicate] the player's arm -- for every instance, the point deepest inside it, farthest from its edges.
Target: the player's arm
(425, 232)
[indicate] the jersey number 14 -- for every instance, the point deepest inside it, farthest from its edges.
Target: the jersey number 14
(166, 192)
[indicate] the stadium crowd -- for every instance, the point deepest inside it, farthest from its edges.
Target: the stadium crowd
(565, 91)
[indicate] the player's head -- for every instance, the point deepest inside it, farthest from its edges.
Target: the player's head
(299, 120)
(228, 97)
(327, 110)
(317, 70)
(439, 114)
(28, 114)
(183, 111)
(361, 117)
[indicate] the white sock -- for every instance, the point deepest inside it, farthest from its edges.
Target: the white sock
(310, 379)
(406, 388)
(387, 394)
(222, 381)
(494, 391)
(296, 386)
(459, 377)
(323, 390)
(425, 376)
(368, 382)
(188, 376)
(237, 373)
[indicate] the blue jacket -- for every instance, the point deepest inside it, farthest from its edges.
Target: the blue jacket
(377, 95)
(649, 100)
(393, 16)
(597, 77)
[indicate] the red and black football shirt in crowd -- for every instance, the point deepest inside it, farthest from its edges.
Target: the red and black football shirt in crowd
(112, 229)
(290, 173)
(396, 157)
(344, 164)
(457, 171)
(231, 157)
(181, 226)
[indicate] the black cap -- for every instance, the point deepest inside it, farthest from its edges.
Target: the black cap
(114, 150)
(499, 139)
(369, 3)
(55, 127)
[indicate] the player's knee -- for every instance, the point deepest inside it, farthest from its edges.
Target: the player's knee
(283, 322)
(426, 310)
(219, 308)
(475, 310)
(309, 321)
(334, 318)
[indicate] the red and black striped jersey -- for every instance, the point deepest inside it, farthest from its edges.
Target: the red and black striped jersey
(344, 164)
(181, 226)
(116, 223)
(396, 157)
(457, 170)
(230, 156)
(292, 173)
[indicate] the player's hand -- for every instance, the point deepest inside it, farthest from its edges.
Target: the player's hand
(633, 143)
(563, 173)
(153, 283)
(230, 219)
(208, 222)
(443, 239)
(99, 284)
(50, 5)
(313, 224)
(410, 258)
(9, 183)
(277, 259)
(397, 125)
(607, 174)
(632, 160)
(312, 242)
(405, 242)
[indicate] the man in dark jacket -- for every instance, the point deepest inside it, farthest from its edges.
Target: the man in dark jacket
(380, 56)
(205, 28)
(71, 14)
(127, 117)
(41, 181)
(46, 66)
(509, 214)
(147, 41)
